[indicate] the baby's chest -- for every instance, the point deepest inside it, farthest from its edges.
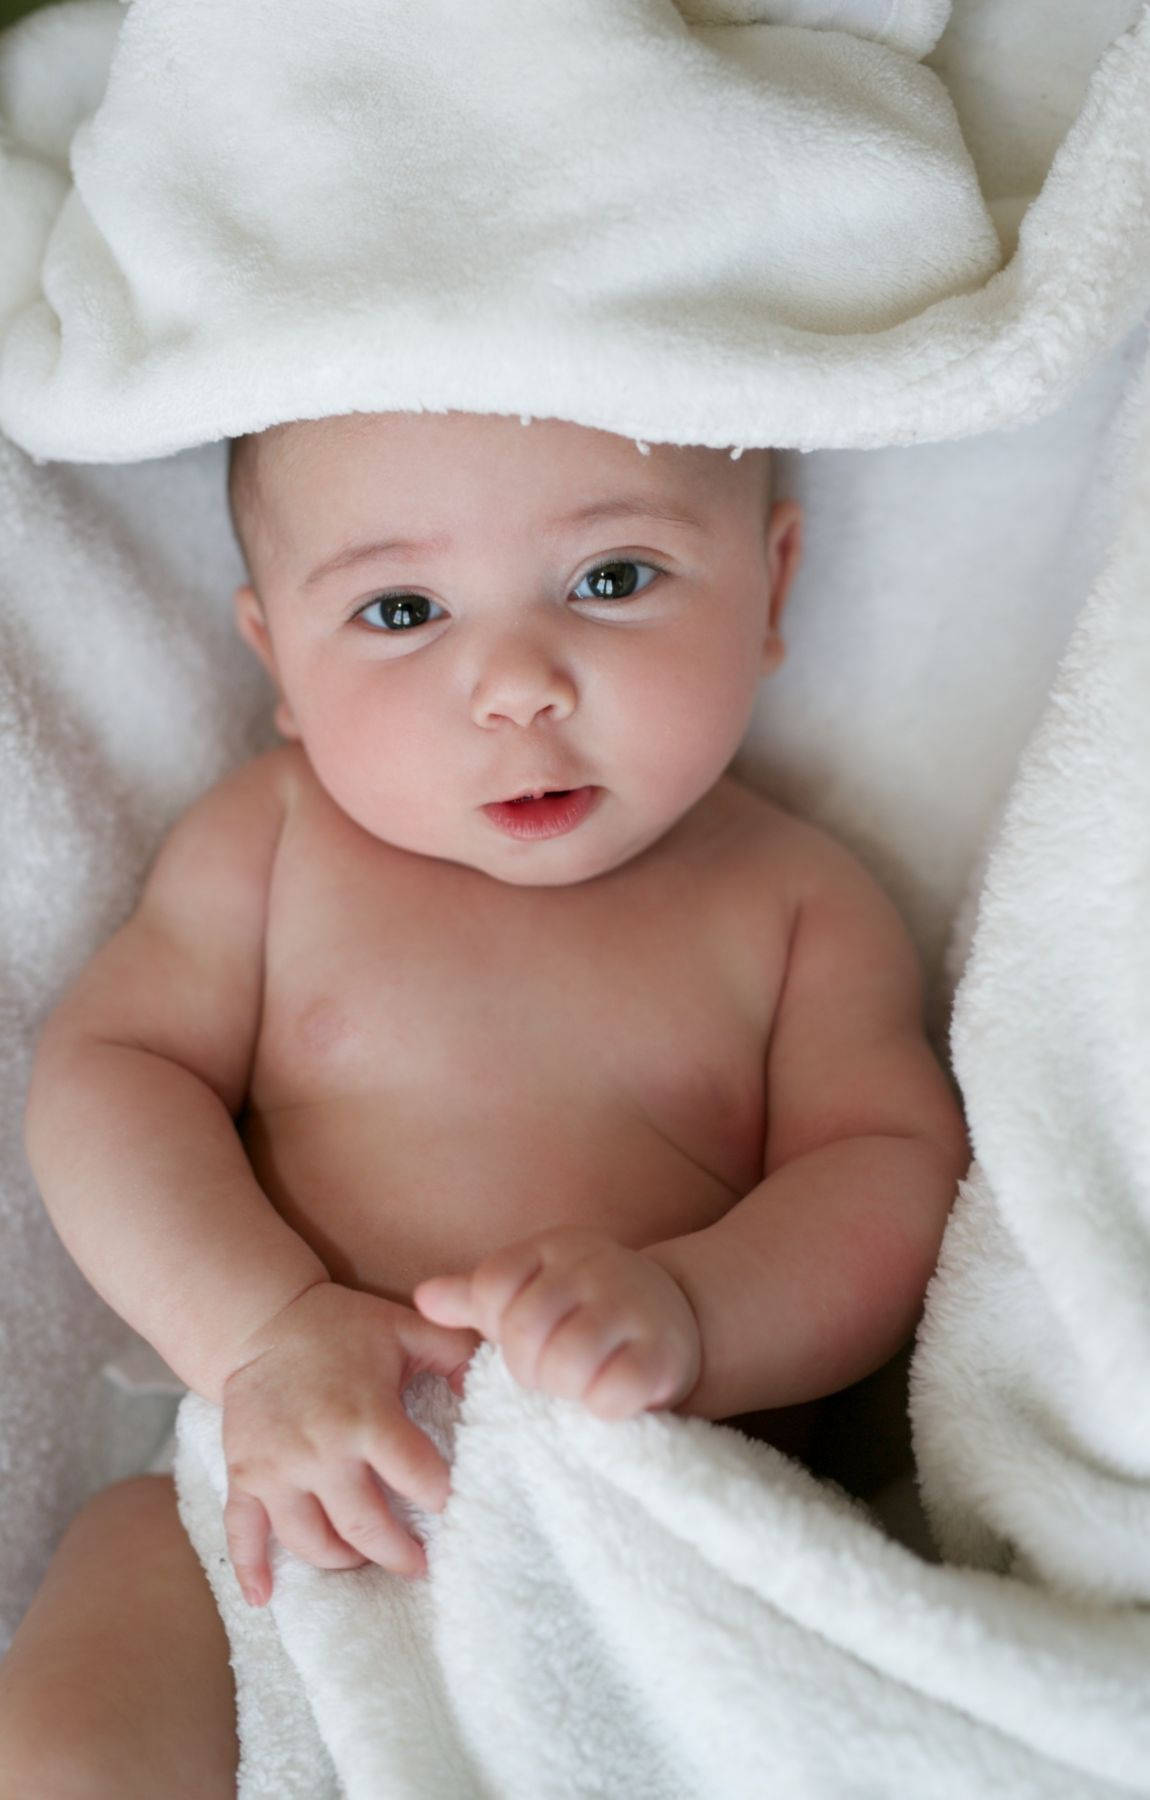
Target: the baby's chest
(522, 1016)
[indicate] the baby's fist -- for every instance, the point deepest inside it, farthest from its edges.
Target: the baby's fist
(578, 1315)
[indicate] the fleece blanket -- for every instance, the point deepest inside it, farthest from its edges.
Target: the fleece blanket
(190, 253)
(671, 1611)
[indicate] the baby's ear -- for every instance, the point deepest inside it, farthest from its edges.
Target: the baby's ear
(784, 551)
(773, 652)
(252, 625)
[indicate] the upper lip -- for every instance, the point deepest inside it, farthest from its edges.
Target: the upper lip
(535, 789)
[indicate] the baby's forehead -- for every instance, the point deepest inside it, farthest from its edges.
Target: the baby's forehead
(302, 447)
(291, 480)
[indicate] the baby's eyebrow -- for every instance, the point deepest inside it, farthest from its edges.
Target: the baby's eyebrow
(632, 507)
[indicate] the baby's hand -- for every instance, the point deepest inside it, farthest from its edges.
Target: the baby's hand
(315, 1433)
(580, 1316)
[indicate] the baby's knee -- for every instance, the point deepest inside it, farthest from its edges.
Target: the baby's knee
(40, 1761)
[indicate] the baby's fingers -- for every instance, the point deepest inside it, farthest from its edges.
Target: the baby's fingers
(479, 1299)
(638, 1376)
(577, 1348)
(247, 1527)
(359, 1513)
(405, 1458)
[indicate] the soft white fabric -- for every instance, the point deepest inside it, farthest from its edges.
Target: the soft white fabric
(660, 1608)
(122, 695)
(914, 26)
(468, 272)
(1034, 1365)
(163, 320)
(1030, 1444)
(1017, 75)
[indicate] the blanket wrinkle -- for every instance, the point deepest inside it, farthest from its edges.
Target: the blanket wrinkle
(761, 1590)
(214, 218)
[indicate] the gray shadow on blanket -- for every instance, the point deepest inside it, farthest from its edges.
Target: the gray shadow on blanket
(860, 1440)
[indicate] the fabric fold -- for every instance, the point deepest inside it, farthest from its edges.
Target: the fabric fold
(660, 1607)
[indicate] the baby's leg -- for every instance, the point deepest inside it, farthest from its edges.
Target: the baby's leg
(117, 1683)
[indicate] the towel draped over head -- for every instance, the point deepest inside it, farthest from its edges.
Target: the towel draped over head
(724, 233)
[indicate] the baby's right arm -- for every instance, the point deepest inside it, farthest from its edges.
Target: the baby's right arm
(130, 1131)
(138, 1074)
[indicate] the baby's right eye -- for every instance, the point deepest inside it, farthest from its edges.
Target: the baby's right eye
(398, 612)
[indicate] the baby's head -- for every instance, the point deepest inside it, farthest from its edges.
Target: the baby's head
(551, 609)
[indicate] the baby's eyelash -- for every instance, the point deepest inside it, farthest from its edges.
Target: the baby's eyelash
(618, 562)
(414, 604)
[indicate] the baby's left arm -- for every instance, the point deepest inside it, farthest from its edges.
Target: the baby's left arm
(816, 1277)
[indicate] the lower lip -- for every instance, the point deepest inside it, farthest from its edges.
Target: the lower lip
(552, 816)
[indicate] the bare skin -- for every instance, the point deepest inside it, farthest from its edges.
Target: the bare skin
(514, 1054)
(100, 1699)
(649, 1105)
(605, 1122)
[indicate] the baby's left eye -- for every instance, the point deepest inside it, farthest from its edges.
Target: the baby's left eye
(618, 577)
(398, 613)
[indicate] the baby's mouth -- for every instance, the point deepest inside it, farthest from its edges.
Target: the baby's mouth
(543, 812)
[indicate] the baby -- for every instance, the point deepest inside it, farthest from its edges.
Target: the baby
(487, 1005)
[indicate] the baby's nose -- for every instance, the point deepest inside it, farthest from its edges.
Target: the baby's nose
(522, 681)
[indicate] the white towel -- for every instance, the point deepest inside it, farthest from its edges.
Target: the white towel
(660, 1608)
(1033, 1430)
(570, 207)
(217, 266)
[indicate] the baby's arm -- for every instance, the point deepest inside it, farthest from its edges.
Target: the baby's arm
(131, 1136)
(138, 1073)
(817, 1276)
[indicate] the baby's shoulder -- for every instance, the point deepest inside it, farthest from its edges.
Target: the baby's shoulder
(762, 828)
(237, 822)
(797, 859)
(263, 789)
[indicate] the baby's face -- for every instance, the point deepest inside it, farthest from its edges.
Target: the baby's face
(458, 608)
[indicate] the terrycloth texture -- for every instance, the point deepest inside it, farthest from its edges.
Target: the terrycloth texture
(107, 590)
(836, 297)
(1033, 1430)
(123, 693)
(553, 234)
(664, 1609)
(938, 1681)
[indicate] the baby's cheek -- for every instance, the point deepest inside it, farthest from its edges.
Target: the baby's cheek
(690, 719)
(368, 751)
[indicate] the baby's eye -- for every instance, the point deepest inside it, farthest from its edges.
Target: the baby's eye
(397, 612)
(615, 580)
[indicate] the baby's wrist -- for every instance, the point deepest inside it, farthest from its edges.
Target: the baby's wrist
(670, 1259)
(259, 1341)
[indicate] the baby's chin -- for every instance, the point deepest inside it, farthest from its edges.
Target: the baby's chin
(562, 862)
(555, 863)
(549, 863)
(535, 876)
